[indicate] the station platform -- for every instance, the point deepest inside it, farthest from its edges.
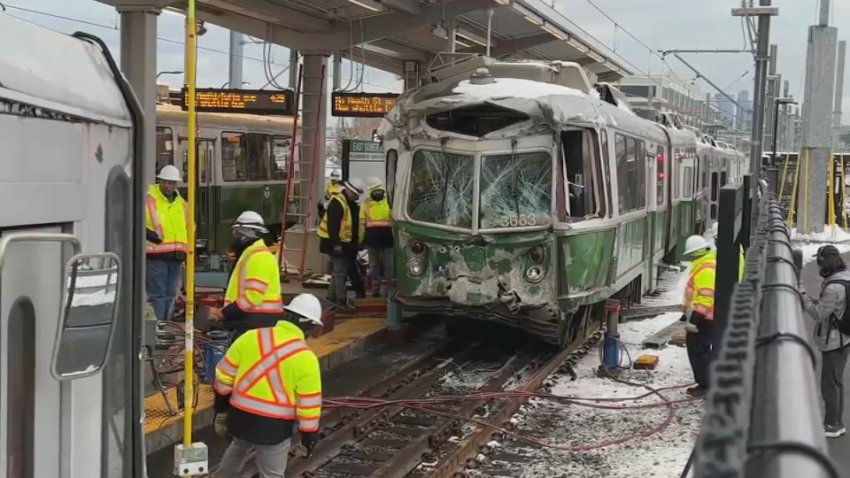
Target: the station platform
(349, 338)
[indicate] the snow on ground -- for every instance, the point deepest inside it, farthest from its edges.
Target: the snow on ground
(829, 234)
(662, 455)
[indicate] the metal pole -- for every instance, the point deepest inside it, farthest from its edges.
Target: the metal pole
(775, 131)
(762, 47)
(189, 326)
(235, 65)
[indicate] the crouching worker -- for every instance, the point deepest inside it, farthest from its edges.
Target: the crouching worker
(268, 380)
(699, 310)
(832, 326)
(253, 298)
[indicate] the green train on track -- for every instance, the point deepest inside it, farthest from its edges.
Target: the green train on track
(523, 194)
(242, 164)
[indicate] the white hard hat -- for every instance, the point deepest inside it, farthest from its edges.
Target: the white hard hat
(694, 244)
(354, 185)
(373, 183)
(714, 230)
(306, 306)
(335, 175)
(250, 220)
(169, 173)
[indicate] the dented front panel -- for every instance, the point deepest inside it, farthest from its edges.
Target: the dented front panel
(475, 271)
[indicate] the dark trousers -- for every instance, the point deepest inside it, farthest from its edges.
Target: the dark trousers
(353, 270)
(700, 353)
(832, 385)
(344, 266)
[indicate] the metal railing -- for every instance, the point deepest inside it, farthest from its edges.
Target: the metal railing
(762, 410)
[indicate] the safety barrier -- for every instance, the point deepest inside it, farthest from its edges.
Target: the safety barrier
(762, 411)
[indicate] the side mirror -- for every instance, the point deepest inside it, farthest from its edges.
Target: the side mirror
(89, 310)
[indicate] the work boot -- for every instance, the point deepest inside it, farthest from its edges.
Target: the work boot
(698, 391)
(834, 431)
(343, 307)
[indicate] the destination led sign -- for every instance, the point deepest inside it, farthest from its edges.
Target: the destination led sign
(256, 102)
(362, 105)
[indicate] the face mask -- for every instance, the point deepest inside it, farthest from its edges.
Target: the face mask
(240, 244)
(377, 195)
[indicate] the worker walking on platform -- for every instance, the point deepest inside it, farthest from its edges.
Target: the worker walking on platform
(166, 241)
(340, 232)
(253, 298)
(268, 380)
(828, 312)
(699, 310)
(376, 216)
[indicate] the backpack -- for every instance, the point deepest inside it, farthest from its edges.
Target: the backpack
(841, 323)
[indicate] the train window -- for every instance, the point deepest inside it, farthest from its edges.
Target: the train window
(259, 157)
(164, 147)
(722, 178)
(20, 389)
(515, 190)
(233, 157)
(117, 419)
(660, 161)
(606, 163)
(687, 177)
(441, 188)
(676, 164)
(391, 167)
(280, 157)
(581, 161)
(622, 179)
(475, 120)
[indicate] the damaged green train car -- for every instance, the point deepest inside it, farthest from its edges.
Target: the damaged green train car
(522, 194)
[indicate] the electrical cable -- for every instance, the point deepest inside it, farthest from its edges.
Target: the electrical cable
(795, 447)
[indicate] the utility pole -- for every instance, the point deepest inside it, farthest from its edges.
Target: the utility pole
(817, 123)
(235, 65)
(839, 95)
(764, 11)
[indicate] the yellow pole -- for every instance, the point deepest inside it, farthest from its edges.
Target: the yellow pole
(793, 205)
(784, 175)
(830, 191)
(189, 362)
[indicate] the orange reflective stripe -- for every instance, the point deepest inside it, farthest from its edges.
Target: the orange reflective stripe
(705, 292)
(312, 400)
(226, 367)
(372, 223)
(268, 362)
(150, 203)
(262, 407)
(308, 425)
(222, 389)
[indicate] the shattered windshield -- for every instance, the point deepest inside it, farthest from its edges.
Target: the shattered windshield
(515, 190)
(441, 188)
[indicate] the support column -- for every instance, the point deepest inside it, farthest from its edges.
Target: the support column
(138, 63)
(235, 66)
(293, 68)
(771, 91)
(411, 71)
(337, 67)
(817, 124)
(314, 101)
(839, 93)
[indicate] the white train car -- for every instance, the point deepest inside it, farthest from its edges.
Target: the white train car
(69, 257)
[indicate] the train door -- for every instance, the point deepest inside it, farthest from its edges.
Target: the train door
(31, 424)
(204, 163)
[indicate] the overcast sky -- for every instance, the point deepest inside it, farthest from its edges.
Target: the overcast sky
(659, 24)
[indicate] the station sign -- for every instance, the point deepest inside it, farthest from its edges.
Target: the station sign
(362, 159)
(362, 105)
(255, 102)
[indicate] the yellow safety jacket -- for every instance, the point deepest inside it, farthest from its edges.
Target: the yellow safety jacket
(376, 213)
(331, 189)
(168, 219)
(254, 284)
(741, 260)
(699, 292)
(345, 225)
(271, 372)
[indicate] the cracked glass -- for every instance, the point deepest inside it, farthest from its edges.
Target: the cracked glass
(516, 190)
(441, 188)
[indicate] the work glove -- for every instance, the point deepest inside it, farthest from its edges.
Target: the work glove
(691, 328)
(221, 424)
(152, 236)
(309, 440)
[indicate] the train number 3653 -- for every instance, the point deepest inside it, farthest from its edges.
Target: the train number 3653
(519, 221)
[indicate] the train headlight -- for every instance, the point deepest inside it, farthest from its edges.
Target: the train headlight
(537, 254)
(415, 268)
(534, 274)
(416, 247)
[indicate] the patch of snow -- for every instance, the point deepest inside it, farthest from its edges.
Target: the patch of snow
(514, 88)
(830, 234)
(662, 455)
(91, 299)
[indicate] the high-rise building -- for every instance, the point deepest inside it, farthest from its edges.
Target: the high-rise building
(744, 116)
(726, 110)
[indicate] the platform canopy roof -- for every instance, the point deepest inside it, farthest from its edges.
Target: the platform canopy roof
(392, 31)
